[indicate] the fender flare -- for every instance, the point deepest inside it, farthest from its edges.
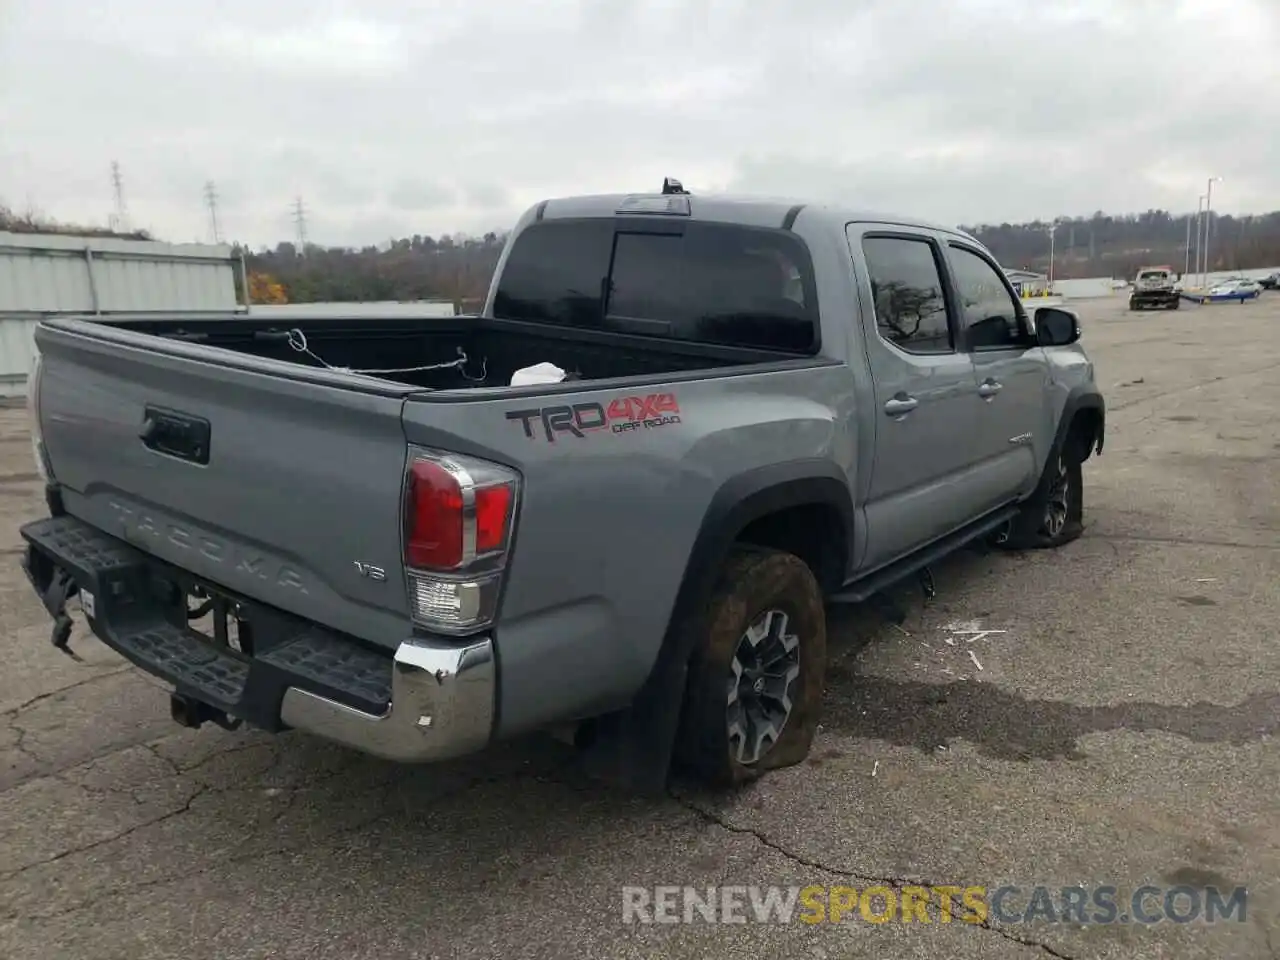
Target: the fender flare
(1082, 397)
(634, 747)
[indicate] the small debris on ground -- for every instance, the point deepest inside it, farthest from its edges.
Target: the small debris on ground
(974, 657)
(969, 630)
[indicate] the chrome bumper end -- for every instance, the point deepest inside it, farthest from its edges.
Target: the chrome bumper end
(442, 706)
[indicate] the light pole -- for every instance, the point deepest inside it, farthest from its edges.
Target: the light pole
(1208, 219)
(1199, 249)
(1053, 228)
(1186, 261)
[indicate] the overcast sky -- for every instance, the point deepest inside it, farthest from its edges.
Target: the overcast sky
(395, 117)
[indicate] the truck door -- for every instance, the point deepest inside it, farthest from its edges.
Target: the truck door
(926, 406)
(1011, 375)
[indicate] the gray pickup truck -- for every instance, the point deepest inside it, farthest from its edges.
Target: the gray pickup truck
(361, 529)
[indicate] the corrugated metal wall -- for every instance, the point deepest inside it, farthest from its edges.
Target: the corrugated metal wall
(43, 274)
(16, 354)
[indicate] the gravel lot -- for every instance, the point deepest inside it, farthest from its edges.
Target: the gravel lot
(1122, 730)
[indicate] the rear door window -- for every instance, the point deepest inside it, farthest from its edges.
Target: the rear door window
(906, 289)
(703, 282)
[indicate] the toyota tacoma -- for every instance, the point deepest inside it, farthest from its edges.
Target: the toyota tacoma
(743, 410)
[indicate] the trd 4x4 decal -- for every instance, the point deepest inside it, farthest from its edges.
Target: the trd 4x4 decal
(621, 415)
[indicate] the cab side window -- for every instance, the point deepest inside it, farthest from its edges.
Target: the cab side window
(906, 285)
(990, 315)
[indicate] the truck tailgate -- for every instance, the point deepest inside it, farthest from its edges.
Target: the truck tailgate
(284, 489)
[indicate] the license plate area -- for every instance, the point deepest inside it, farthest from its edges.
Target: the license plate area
(219, 618)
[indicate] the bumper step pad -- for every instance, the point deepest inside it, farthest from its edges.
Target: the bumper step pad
(123, 586)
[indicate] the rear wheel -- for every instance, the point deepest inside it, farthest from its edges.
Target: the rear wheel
(755, 683)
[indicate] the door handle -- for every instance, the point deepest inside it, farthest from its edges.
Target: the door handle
(989, 389)
(898, 406)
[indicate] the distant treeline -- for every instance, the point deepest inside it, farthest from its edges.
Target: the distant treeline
(415, 268)
(1106, 246)
(458, 267)
(32, 222)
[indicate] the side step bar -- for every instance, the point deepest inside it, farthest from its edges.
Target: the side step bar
(864, 588)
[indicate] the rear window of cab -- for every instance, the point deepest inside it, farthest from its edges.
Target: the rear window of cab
(693, 281)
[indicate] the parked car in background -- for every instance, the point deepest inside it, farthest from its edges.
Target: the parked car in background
(1241, 288)
(1271, 281)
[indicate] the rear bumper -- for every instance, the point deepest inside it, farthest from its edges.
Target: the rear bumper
(441, 706)
(431, 700)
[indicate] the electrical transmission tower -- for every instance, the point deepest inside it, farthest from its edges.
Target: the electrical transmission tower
(211, 200)
(119, 219)
(300, 225)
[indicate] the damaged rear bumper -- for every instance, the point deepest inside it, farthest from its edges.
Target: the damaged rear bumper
(431, 700)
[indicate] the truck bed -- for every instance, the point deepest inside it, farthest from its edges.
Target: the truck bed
(217, 446)
(405, 350)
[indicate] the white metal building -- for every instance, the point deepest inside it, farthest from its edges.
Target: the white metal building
(49, 274)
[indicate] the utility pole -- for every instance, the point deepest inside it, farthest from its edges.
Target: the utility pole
(300, 225)
(119, 219)
(1052, 228)
(1208, 219)
(1199, 247)
(1186, 263)
(211, 199)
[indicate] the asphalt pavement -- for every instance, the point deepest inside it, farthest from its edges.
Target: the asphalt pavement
(1114, 725)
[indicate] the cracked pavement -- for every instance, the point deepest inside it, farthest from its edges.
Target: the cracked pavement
(1122, 730)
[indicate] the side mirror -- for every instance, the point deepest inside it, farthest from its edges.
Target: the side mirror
(1056, 327)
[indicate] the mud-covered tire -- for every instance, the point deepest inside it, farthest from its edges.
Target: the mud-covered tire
(1045, 521)
(755, 586)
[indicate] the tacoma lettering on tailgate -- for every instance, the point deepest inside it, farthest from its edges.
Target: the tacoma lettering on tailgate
(141, 528)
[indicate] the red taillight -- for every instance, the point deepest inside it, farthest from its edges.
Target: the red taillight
(493, 511)
(458, 516)
(433, 538)
(456, 511)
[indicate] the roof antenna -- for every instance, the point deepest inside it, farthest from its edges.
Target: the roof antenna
(671, 185)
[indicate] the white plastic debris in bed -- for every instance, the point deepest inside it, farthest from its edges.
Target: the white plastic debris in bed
(538, 373)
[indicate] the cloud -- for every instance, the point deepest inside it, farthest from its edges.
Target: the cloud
(388, 117)
(416, 194)
(360, 48)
